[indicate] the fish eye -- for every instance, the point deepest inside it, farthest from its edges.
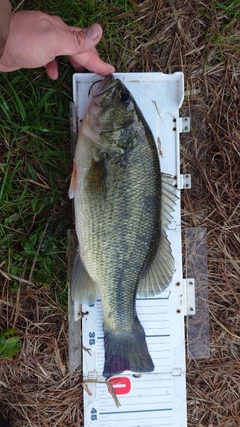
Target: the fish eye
(125, 97)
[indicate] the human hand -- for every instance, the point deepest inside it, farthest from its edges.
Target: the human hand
(35, 39)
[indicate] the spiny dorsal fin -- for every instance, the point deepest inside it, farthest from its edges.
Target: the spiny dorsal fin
(83, 288)
(160, 272)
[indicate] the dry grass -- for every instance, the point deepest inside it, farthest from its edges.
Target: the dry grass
(35, 385)
(196, 38)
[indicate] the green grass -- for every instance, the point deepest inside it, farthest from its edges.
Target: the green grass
(227, 38)
(222, 28)
(9, 343)
(35, 167)
(231, 8)
(35, 163)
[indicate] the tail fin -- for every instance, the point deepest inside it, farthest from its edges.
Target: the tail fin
(126, 350)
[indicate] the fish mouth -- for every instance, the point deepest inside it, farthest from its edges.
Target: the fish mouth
(103, 97)
(107, 83)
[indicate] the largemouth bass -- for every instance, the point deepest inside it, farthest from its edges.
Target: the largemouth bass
(122, 210)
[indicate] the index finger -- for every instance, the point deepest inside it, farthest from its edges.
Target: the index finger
(91, 61)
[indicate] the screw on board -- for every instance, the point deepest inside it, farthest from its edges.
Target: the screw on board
(185, 124)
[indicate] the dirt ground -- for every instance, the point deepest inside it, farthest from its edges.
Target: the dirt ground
(199, 39)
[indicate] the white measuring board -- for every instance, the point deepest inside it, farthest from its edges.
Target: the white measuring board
(156, 399)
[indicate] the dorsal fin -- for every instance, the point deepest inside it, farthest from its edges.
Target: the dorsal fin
(160, 272)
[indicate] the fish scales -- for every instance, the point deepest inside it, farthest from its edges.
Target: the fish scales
(117, 197)
(115, 253)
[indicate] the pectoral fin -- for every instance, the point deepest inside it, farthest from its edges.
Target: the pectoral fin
(73, 184)
(98, 175)
(83, 288)
(160, 272)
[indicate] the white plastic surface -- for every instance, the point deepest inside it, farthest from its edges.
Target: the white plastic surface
(157, 399)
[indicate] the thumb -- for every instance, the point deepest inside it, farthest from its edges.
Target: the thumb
(74, 41)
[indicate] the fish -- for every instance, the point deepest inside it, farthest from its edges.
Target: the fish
(123, 206)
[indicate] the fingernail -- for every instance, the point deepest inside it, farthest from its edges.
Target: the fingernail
(91, 33)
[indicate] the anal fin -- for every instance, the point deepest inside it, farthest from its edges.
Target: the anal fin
(73, 184)
(83, 288)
